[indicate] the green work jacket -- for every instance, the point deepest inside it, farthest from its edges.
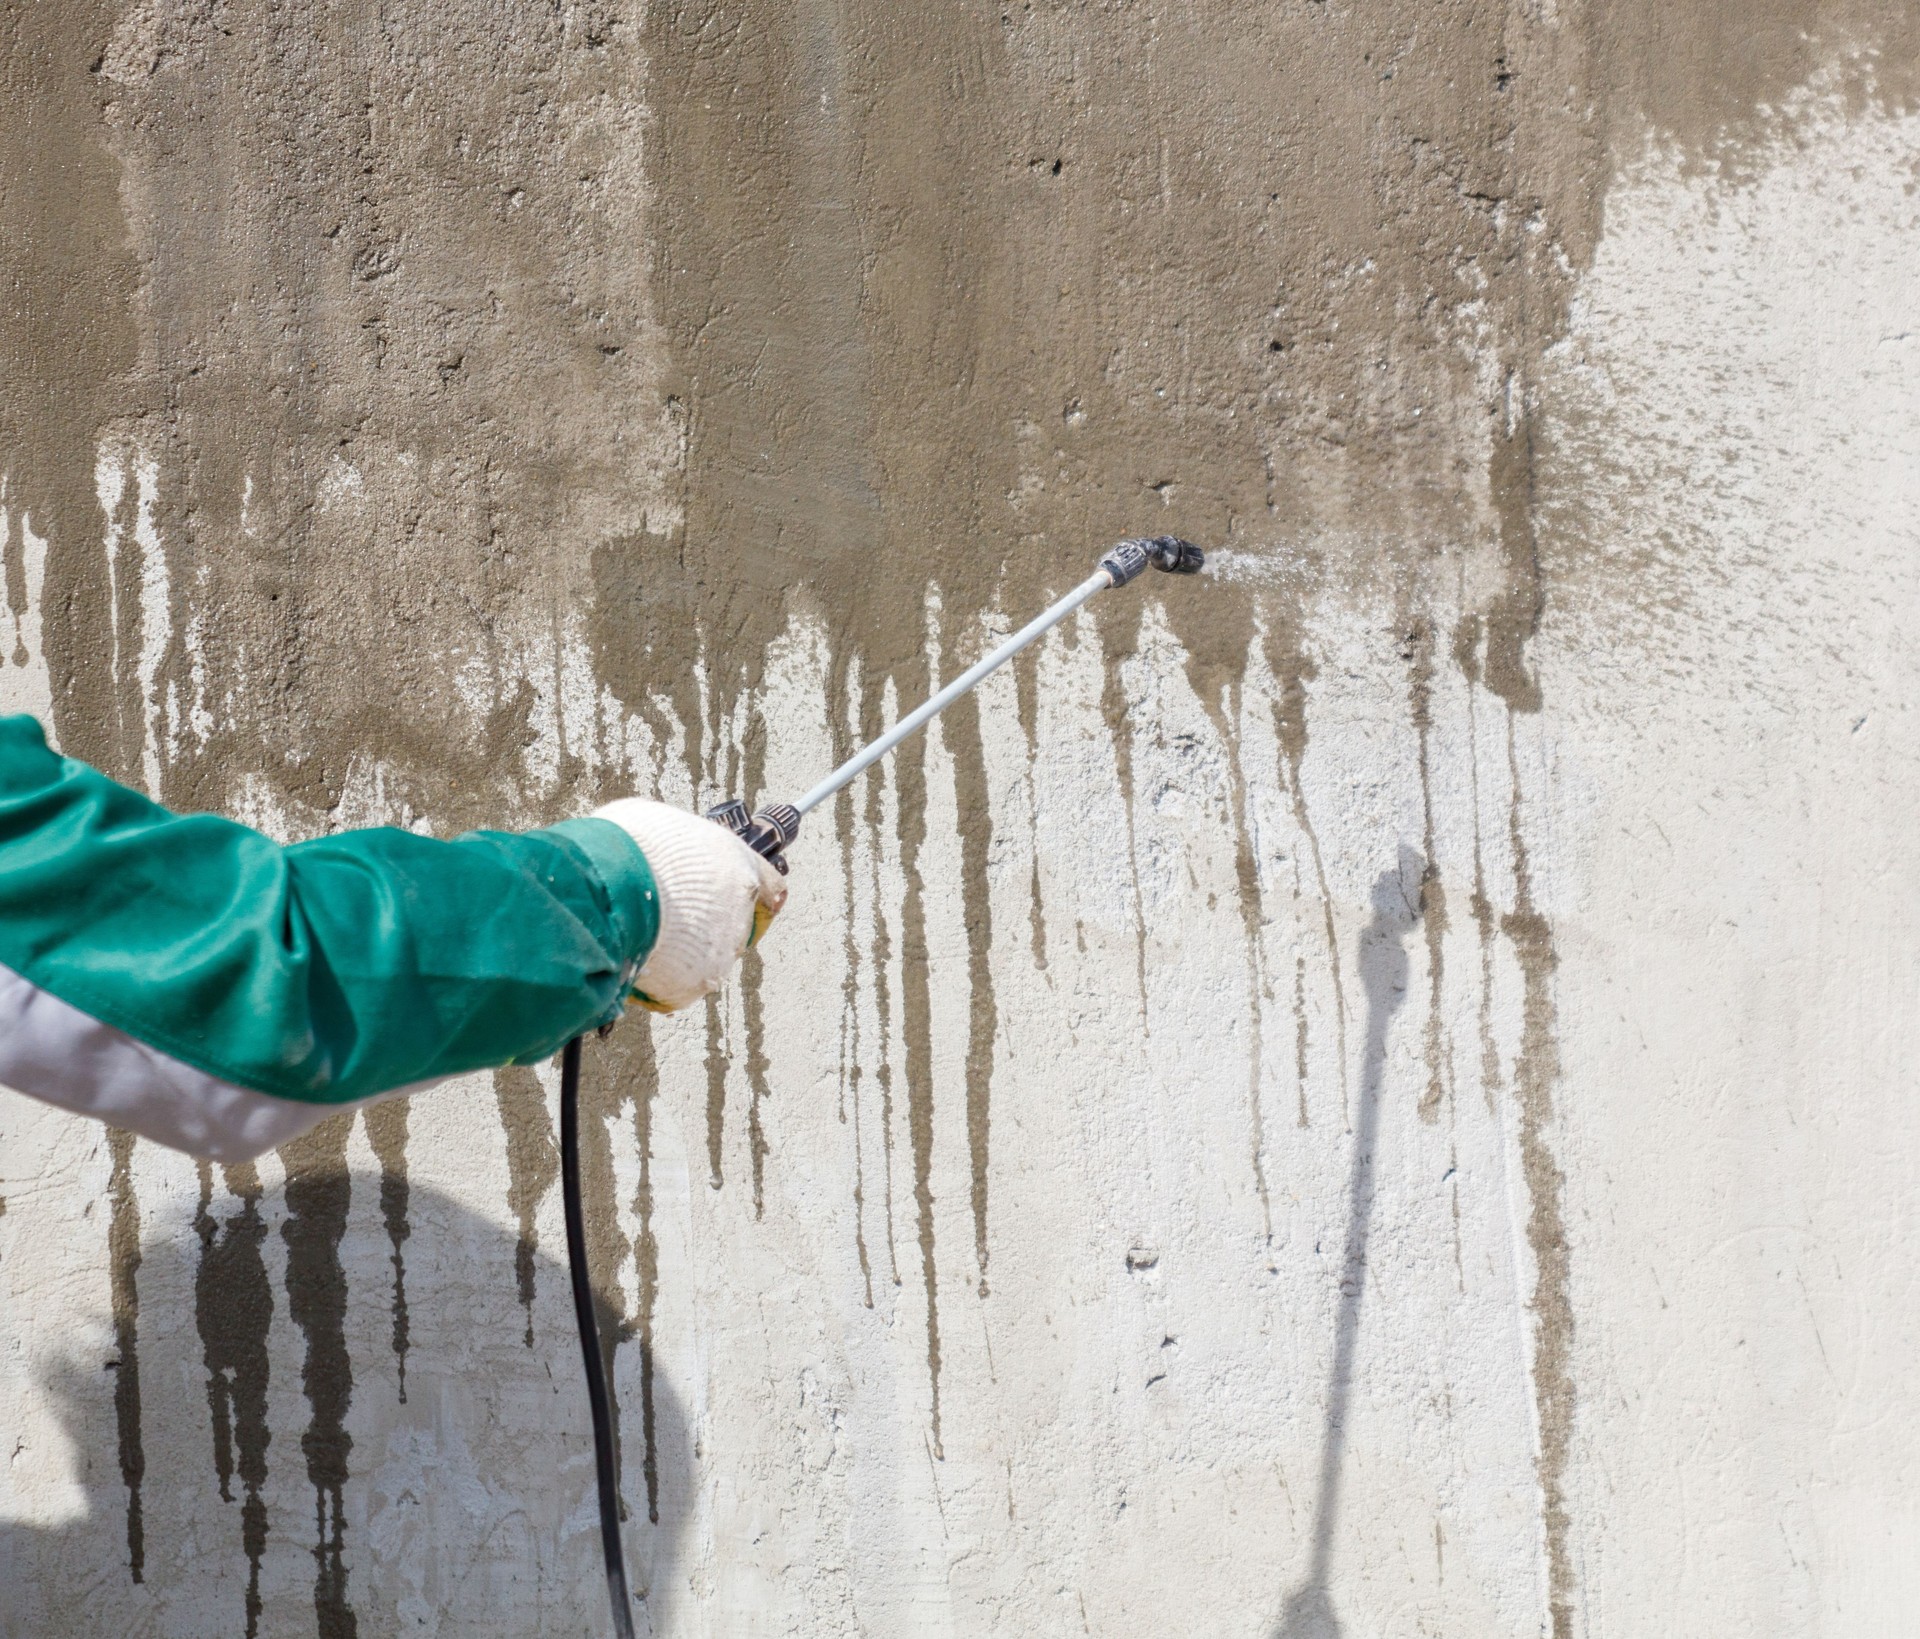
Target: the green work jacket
(192, 979)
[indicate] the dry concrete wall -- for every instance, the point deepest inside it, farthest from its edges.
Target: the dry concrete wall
(1368, 1094)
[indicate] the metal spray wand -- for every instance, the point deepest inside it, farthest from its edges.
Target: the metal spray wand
(769, 831)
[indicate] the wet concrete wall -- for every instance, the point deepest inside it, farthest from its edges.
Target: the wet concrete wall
(1369, 1093)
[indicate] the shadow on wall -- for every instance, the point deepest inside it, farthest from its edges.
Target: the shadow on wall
(466, 1507)
(1309, 1612)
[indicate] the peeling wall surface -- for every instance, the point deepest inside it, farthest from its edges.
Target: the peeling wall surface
(1371, 1093)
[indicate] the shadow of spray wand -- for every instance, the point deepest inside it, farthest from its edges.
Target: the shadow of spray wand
(767, 833)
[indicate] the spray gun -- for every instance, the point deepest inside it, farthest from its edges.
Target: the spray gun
(767, 833)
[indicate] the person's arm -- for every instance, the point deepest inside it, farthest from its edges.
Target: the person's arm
(196, 982)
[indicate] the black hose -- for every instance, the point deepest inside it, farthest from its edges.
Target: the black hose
(598, 1400)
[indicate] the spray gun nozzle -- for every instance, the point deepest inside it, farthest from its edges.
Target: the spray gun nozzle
(1163, 552)
(1175, 556)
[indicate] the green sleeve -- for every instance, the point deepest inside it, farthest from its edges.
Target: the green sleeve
(325, 971)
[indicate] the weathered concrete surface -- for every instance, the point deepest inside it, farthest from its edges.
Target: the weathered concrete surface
(1369, 1094)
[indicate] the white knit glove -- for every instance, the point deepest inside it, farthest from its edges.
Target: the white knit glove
(716, 898)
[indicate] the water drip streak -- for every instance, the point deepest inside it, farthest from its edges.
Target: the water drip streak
(976, 847)
(1305, 823)
(1438, 1041)
(387, 1133)
(917, 1032)
(1113, 705)
(860, 1200)
(123, 1257)
(1466, 656)
(233, 1313)
(1026, 678)
(1246, 865)
(1292, 669)
(882, 957)
(850, 1067)
(1433, 897)
(533, 1163)
(758, 1089)
(1535, 1072)
(319, 1191)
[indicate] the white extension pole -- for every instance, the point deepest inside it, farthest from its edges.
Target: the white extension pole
(1098, 581)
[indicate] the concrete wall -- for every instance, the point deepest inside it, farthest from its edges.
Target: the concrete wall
(1369, 1094)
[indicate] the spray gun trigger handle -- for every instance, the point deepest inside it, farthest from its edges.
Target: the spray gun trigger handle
(772, 829)
(767, 833)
